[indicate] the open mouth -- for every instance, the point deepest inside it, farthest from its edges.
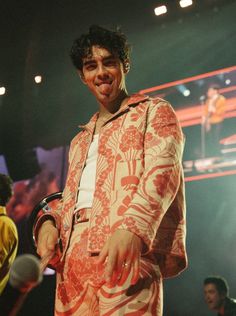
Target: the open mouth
(105, 87)
(209, 302)
(104, 83)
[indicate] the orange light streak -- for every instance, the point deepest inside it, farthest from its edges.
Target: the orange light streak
(210, 175)
(189, 79)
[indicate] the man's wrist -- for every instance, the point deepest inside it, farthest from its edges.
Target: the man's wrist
(48, 222)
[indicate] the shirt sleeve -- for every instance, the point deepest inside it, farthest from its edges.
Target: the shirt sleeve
(220, 106)
(159, 183)
(8, 240)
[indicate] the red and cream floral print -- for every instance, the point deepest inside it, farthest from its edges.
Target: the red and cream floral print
(139, 183)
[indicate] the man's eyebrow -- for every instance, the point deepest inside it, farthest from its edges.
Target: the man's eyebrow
(88, 62)
(111, 57)
(91, 61)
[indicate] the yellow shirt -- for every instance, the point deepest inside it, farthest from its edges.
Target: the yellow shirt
(215, 109)
(8, 246)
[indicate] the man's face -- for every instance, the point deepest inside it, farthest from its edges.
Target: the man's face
(211, 92)
(213, 299)
(104, 75)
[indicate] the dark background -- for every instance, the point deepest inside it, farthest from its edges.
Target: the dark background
(36, 38)
(211, 237)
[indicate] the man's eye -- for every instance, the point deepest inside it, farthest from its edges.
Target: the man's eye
(90, 67)
(110, 63)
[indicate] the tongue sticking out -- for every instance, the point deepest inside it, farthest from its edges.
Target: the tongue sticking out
(105, 88)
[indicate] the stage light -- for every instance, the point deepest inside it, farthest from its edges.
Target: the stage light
(160, 10)
(186, 93)
(38, 79)
(182, 89)
(185, 3)
(227, 82)
(2, 90)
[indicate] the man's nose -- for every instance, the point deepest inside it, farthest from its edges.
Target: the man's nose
(102, 70)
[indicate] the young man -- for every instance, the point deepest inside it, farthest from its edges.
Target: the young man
(122, 217)
(8, 232)
(216, 293)
(214, 110)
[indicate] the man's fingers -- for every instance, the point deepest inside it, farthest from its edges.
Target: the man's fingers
(122, 247)
(114, 278)
(103, 254)
(136, 271)
(47, 243)
(42, 246)
(45, 260)
(120, 263)
(117, 268)
(51, 241)
(126, 270)
(111, 267)
(130, 265)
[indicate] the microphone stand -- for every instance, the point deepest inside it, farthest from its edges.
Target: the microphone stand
(203, 130)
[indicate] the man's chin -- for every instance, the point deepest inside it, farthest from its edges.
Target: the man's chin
(104, 98)
(211, 306)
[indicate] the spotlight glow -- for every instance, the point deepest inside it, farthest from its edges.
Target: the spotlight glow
(2, 90)
(160, 10)
(185, 3)
(186, 93)
(38, 79)
(227, 82)
(183, 89)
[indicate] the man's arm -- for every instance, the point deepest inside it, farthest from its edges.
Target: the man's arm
(221, 106)
(160, 180)
(9, 244)
(47, 239)
(156, 191)
(46, 230)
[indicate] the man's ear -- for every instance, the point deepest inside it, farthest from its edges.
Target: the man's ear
(126, 66)
(81, 75)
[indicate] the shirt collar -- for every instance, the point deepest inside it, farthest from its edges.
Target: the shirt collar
(3, 210)
(129, 102)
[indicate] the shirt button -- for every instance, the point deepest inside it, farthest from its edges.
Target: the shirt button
(66, 227)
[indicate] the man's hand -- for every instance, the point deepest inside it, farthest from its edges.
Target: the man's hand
(121, 253)
(47, 239)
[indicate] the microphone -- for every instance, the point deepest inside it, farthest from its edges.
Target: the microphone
(25, 274)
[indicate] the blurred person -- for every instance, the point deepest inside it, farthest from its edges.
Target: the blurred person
(8, 232)
(16, 205)
(26, 195)
(121, 220)
(213, 116)
(216, 293)
(42, 185)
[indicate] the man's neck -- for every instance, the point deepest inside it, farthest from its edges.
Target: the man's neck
(221, 309)
(112, 107)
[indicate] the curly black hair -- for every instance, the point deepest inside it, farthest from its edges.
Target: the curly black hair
(114, 41)
(6, 184)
